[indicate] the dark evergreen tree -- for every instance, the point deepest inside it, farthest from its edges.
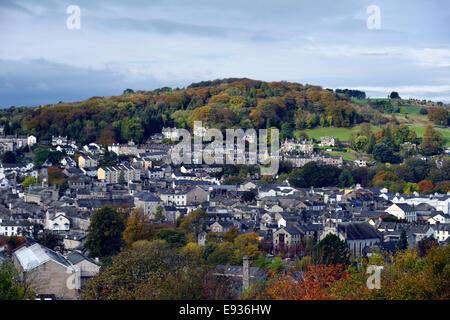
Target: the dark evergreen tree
(105, 233)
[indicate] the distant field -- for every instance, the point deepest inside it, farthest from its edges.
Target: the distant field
(346, 156)
(366, 101)
(445, 133)
(342, 134)
(412, 110)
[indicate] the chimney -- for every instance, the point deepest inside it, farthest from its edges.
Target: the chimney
(246, 273)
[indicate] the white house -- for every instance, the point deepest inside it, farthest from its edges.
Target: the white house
(12, 228)
(31, 140)
(402, 211)
(360, 162)
(439, 231)
(439, 218)
(59, 222)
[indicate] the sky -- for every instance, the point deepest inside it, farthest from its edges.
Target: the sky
(147, 44)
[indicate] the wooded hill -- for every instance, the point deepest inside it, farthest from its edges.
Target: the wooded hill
(227, 103)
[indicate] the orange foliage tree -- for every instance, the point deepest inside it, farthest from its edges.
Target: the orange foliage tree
(425, 185)
(317, 281)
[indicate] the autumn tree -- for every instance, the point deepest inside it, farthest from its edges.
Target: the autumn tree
(194, 223)
(425, 186)
(317, 282)
(154, 271)
(432, 141)
(107, 137)
(231, 234)
(407, 276)
(246, 244)
(137, 228)
(424, 245)
(439, 116)
(56, 177)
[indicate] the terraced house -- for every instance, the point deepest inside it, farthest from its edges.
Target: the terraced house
(111, 175)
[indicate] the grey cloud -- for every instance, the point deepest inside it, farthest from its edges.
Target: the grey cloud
(38, 82)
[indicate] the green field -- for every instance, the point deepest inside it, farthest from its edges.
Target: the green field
(445, 133)
(342, 134)
(350, 155)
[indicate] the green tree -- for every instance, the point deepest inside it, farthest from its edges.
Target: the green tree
(51, 240)
(11, 288)
(159, 216)
(371, 144)
(105, 233)
(345, 179)
(8, 157)
(402, 243)
(29, 181)
(248, 196)
(223, 254)
(172, 237)
(331, 250)
(394, 95)
(383, 153)
(361, 143)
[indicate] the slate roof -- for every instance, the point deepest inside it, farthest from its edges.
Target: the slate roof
(358, 230)
(292, 230)
(405, 207)
(145, 196)
(75, 257)
(237, 271)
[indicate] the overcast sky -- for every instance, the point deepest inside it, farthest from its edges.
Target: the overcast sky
(153, 43)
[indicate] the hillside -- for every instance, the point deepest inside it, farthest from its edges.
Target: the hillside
(227, 103)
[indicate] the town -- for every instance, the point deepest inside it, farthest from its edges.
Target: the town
(48, 204)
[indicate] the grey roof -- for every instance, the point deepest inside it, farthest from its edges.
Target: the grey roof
(405, 207)
(76, 257)
(292, 230)
(236, 271)
(358, 230)
(145, 196)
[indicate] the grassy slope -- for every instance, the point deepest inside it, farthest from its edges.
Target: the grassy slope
(413, 119)
(342, 134)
